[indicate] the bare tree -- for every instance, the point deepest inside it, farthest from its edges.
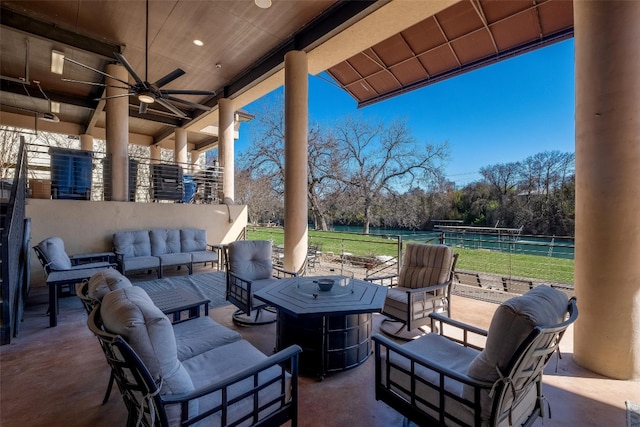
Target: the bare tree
(264, 205)
(9, 145)
(266, 159)
(381, 159)
(502, 177)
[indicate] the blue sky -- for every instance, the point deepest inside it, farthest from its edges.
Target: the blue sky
(497, 114)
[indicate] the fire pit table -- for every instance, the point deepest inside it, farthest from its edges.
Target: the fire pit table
(333, 327)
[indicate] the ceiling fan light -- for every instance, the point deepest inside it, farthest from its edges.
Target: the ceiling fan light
(147, 99)
(263, 4)
(57, 62)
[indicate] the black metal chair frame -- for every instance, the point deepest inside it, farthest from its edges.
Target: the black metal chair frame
(77, 260)
(525, 367)
(239, 293)
(89, 304)
(146, 406)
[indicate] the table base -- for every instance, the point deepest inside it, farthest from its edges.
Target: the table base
(330, 343)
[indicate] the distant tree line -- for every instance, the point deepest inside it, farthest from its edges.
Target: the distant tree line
(366, 173)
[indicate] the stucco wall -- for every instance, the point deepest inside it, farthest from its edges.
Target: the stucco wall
(89, 226)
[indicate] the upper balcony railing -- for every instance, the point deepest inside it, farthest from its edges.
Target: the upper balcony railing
(63, 173)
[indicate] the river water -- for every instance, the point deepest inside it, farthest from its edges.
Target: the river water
(557, 247)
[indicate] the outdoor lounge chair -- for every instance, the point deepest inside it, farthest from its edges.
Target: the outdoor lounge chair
(422, 287)
(250, 268)
(53, 257)
(231, 384)
(448, 378)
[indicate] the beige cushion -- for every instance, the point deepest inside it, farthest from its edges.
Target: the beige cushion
(104, 282)
(512, 323)
(425, 265)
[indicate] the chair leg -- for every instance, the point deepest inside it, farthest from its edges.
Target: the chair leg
(112, 377)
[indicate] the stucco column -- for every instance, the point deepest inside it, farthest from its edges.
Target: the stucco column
(154, 154)
(607, 255)
(195, 166)
(86, 142)
(180, 148)
(225, 148)
(117, 132)
(296, 118)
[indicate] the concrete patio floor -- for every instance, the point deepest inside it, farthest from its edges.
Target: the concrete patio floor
(57, 377)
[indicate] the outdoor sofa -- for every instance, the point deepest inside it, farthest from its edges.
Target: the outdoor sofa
(174, 374)
(158, 248)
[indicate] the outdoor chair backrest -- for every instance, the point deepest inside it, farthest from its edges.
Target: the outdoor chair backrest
(425, 265)
(250, 259)
(51, 254)
(524, 333)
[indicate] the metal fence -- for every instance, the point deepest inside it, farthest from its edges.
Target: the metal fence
(71, 174)
(379, 254)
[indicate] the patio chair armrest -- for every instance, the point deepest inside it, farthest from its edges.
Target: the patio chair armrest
(281, 358)
(280, 272)
(456, 329)
(456, 323)
(92, 257)
(428, 289)
(234, 276)
(380, 280)
(239, 291)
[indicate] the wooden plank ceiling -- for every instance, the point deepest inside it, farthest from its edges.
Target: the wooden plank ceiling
(463, 37)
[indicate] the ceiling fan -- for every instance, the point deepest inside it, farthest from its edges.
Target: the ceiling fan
(146, 92)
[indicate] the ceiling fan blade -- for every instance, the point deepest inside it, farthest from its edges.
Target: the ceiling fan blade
(143, 108)
(187, 92)
(114, 96)
(169, 77)
(188, 103)
(93, 83)
(129, 68)
(97, 71)
(171, 108)
(84, 82)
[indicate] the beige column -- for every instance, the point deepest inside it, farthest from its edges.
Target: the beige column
(155, 154)
(607, 255)
(225, 148)
(180, 148)
(296, 118)
(86, 142)
(195, 165)
(117, 132)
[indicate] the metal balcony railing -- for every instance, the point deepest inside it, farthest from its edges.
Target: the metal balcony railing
(65, 173)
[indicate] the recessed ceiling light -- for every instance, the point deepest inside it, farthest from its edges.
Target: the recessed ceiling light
(57, 61)
(54, 106)
(198, 42)
(264, 4)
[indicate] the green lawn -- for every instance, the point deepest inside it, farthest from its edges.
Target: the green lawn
(506, 264)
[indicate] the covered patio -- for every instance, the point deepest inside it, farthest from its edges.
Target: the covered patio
(68, 385)
(44, 365)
